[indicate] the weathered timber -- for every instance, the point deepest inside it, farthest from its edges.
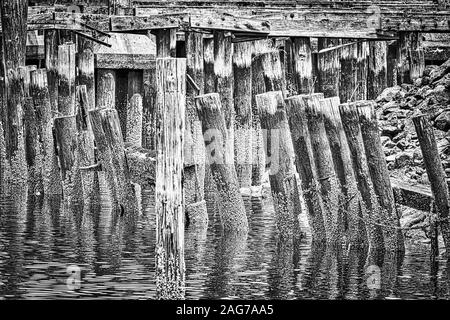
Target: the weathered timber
(302, 65)
(371, 208)
(410, 57)
(328, 70)
(242, 73)
(141, 165)
(104, 154)
(393, 238)
(66, 79)
(377, 69)
(51, 42)
(86, 76)
(14, 26)
(149, 105)
(134, 121)
(105, 99)
(106, 89)
(166, 41)
(85, 139)
(418, 197)
(348, 85)
(221, 163)
(258, 87)
(306, 167)
(362, 49)
(223, 71)
(194, 146)
(210, 87)
(125, 193)
(42, 105)
(32, 149)
(435, 173)
(134, 86)
(326, 176)
(349, 204)
(280, 159)
(66, 141)
(391, 63)
(171, 100)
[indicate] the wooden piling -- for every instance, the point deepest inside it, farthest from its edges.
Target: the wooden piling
(194, 149)
(134, 121)
(149, 105)
(221, 162)
(435, 173)
(306, 167)
(328, 68)
(242, 62)
(51, 42)
(86, 75)
(170, 267)
(377, 69)
(223, 70)
(66, 141)
(410, 57)
(393, 237)
(326, 176)
(66, 79)
(85, 140)
(392, 66)
(39, 89)
(113, 133)
(371, 208)
(349, 204)
(302, 65)
(14, 35)
(362, 49)
(348, 85)
(260, 78)
(166, 42)
(280, 159)
(106, 89)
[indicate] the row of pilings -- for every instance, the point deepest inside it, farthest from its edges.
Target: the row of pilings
(222, 118)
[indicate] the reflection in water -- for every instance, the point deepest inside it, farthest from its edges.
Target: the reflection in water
(41, 237)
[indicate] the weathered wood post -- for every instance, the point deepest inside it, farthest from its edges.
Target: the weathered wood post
(258, 86)
(392, 66)
(194, 146)
(329, 184)
(113, 133)
(134, 86)
(306, 167)
(302, 65)
(85, 147)
(221, 161)
(328, 68)
(149, 105)
(134, 121)
(14, 35)
(105, 99)
(393, 237)
(348, 59)
(435, 173)
(377, 69)
(170, 125)
(41, 99)
(280, 159)
(51, 42)
(166, 42)
(410, 57)
(66, 79)
(362, 55)
(86, 75)
(371, 210)
(223, 70)
(353, 224)
(242, 62)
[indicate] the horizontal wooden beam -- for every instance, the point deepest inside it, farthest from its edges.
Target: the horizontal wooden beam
(414, 196)
(337, 22)
(124, 61)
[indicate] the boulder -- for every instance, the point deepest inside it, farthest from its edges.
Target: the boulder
(442, 121)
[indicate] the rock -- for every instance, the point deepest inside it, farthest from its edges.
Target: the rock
(400, 136)
(390, 158)
(401, 144)
(442, 121)
(440, 94)
(402, 159)
(391, 106)
(389, 144)
(390, 130)
(440, 71)
(389, 94)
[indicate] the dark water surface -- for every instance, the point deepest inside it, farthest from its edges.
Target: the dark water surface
(41, 239)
